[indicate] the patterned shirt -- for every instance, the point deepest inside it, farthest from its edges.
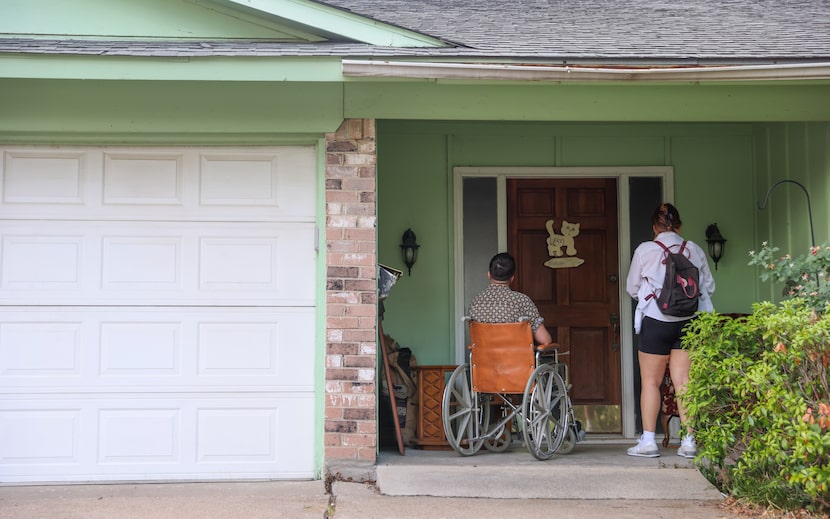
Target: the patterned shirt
(500, 304)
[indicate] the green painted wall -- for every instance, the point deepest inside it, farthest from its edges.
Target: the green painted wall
(800, 152)
(413, 192)
(174, 112)
(548, 101)
(713, 166)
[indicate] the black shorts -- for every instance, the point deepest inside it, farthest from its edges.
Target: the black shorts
(660, 337)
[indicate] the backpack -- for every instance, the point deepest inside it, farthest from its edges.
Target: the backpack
(681, 286)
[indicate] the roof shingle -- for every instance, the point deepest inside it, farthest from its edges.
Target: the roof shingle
(549, 31)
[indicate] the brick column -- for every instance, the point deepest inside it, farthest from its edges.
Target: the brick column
(351, 299)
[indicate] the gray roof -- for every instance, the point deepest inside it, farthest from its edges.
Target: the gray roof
(550, 31)
(572, 29)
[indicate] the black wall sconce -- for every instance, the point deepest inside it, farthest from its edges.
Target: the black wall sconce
(409, 249)
(716, 242)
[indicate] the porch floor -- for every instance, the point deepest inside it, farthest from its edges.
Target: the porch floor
(595, 469)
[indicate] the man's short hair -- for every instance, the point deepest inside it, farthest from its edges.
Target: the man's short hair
(502, 267)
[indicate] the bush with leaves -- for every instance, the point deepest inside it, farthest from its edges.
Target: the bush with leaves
(805, 276)
(759, 403)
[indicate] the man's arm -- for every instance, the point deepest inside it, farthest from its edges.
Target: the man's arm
(542, 335)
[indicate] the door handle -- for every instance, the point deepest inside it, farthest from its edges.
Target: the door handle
(615, 323)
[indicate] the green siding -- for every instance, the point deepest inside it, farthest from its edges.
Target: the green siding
(800, 152)
(607, 150)
(320, 313)
(414, 194)
(104, 112)
(516, 147)
(713, 183)
(596, 103)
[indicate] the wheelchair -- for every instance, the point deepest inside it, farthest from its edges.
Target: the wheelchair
(481, 404)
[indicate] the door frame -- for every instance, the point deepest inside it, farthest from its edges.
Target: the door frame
(622, 174)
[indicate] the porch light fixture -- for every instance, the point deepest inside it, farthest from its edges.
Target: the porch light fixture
(716, 242)
(409, 249)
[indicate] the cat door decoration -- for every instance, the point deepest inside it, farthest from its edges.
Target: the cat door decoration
(561, 246)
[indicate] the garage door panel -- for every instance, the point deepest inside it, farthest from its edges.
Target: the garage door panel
(99, 349)
(149, 438)
(145, 436)
(39, 350)
(141, 179)
(157, 313)
(38, 436)
(32, 177)
(32, 261)
(156, 263)
(158, 183)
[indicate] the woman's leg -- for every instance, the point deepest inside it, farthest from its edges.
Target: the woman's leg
(652, 369)
(679, 367)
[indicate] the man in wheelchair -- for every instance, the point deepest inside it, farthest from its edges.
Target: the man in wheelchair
(498, 303)
(513, 382)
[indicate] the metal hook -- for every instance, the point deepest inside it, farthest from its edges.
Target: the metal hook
(809, 207)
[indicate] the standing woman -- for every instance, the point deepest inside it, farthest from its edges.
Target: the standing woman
(660, 334)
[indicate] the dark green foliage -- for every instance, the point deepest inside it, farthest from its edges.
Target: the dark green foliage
(759, 404)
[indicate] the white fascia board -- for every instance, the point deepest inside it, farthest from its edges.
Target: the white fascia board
(336, 21)
(495, 72)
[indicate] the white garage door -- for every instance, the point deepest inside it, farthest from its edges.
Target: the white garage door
(157, 313)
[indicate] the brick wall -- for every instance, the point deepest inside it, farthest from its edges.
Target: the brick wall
(351, 296)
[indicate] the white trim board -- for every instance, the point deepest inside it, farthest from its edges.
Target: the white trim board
(622, 174)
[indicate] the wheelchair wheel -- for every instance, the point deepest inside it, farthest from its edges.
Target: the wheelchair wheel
(497, 439)
(545, 412)
(500, 441)
(463, 413)
(568, 443)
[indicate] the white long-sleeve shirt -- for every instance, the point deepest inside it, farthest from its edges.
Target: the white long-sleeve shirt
(647, 271)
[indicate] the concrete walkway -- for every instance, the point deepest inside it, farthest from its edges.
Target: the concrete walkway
(594, 470)
(308, 500)
(595, 481)
(272, 500)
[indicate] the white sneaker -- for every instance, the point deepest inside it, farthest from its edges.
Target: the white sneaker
(644, 449)
(687, 449)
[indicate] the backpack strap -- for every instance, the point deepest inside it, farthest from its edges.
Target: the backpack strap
(667, 249)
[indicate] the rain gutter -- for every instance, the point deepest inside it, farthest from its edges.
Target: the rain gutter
(467, 71)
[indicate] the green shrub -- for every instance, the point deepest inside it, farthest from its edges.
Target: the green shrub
(759, 404)
(804, 277)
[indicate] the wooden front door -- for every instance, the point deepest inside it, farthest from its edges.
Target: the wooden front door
(563, 233)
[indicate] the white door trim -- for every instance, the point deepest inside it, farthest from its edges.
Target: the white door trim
(622, 174)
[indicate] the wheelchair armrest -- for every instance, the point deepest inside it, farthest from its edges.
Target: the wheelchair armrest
(547, 349)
